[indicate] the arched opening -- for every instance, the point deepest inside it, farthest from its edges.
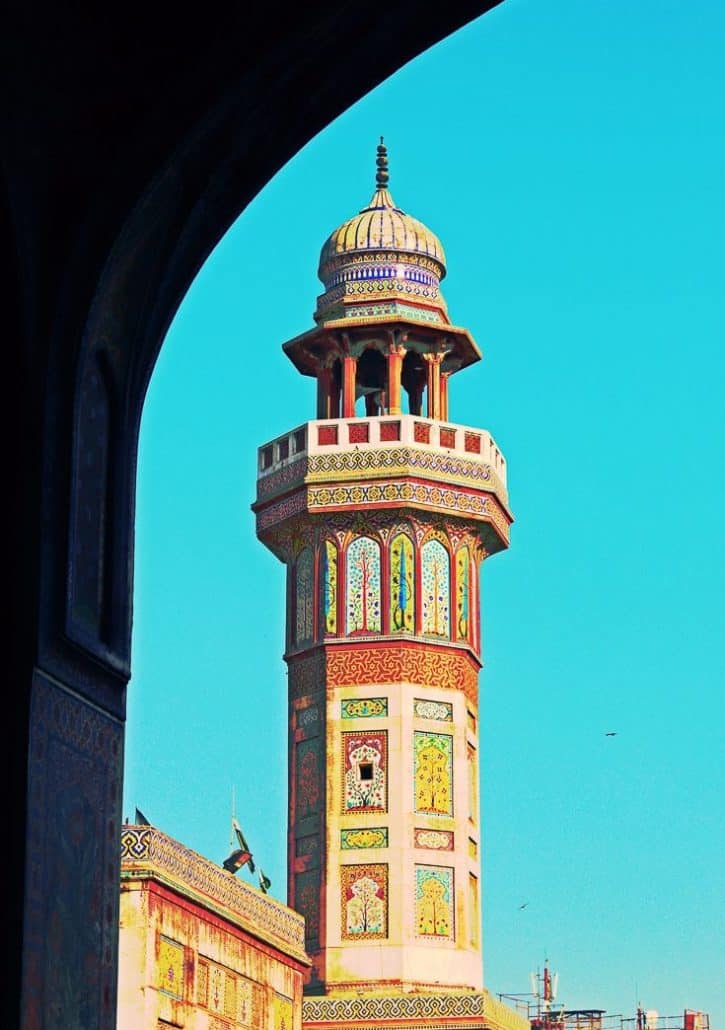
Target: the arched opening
(413, 381)
(371, 381)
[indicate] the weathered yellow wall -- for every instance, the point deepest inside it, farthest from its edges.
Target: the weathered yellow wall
(191, 960)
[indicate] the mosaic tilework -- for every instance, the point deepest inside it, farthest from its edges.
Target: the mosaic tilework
(436, 588)
(170, 967)
(329, 586)
(441, 499)
(145, 847)
(303, 597)
(307, 903)
(308, 717)
(398, 1006)
(369, 837)
(306, 674)
(309, 769)
(434, 902)
(433, 773)
(441, 711)
(402, 584)
(364, 899)
(363, 586)
(446, 669)
(434, 840)
(364, 708)
(365, 772)
(281, 510)
(280, 480)
(463, 587)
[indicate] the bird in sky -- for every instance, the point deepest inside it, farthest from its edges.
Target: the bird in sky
(611, 733)
(523, 906)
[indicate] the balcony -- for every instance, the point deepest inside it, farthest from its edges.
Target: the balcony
(475, 449)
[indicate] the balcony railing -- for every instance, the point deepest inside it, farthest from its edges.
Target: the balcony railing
(382, 431)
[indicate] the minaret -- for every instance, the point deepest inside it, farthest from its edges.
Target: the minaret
(383, 516)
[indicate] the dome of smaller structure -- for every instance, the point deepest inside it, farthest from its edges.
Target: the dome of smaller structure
(381, 251)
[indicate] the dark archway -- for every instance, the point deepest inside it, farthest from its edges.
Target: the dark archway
(132, 140)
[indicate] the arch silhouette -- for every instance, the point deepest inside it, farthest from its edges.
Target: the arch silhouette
(130, 146)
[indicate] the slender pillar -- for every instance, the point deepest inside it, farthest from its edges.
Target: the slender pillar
(433, 362)
(324, 393)
(349, 367)
(396, 353)
(444, 395)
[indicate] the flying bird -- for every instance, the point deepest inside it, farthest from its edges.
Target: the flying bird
(523, 906)
(612, 733)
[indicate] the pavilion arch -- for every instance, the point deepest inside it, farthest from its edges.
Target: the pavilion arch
(115, 196)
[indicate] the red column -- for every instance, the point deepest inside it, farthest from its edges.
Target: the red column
(444, 395)
(349, 366)
(396, 353)
(433, 362)
(324, 391)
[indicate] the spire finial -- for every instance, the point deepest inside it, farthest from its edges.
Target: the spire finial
(381, 175)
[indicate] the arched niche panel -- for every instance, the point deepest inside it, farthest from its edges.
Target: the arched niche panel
(304, 597)
(464, 603)
(362, 586)
(402, 584)
(328, 587)
(435, 571)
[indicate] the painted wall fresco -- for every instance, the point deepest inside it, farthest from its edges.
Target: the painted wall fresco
(433, 773)
(363, 586)
(463, 593)
(364, 899)
(440, 711)
(364, 708)
(434, 902)
(402, 585)
(329, 587)
(472, 783)
(367, 837)
(436, 589)
(434, 840)
(307, 903)
(303, 597)
(365, 772)
(170, 967)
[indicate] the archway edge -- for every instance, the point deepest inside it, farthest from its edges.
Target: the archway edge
(131, 147)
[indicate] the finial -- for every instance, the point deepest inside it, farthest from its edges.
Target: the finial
(381, 176)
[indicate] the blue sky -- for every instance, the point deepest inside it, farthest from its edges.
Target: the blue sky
(571, 157)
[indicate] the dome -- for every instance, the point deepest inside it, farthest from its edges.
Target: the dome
(381, 250)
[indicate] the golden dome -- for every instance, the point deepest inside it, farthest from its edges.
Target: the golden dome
(382, 226)
(381, 250)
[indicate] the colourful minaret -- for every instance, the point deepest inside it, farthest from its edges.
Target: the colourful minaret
(383, 516)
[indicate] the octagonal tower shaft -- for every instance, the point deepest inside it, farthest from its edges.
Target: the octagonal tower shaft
(383, 519)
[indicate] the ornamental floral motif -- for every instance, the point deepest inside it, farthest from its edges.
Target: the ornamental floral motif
(303, 597)
(364, 901)
(441, 711)
(329, 586)
(434, 901)
(369, 837)
(463, 591)
(365, 772)
(435, 569)
(363, 586)
(435, 840)
(364, 708)
(433, 773)
(402, 585)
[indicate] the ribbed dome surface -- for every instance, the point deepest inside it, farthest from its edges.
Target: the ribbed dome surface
(382, 226)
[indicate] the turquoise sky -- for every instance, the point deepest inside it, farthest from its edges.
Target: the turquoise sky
(571, 157)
